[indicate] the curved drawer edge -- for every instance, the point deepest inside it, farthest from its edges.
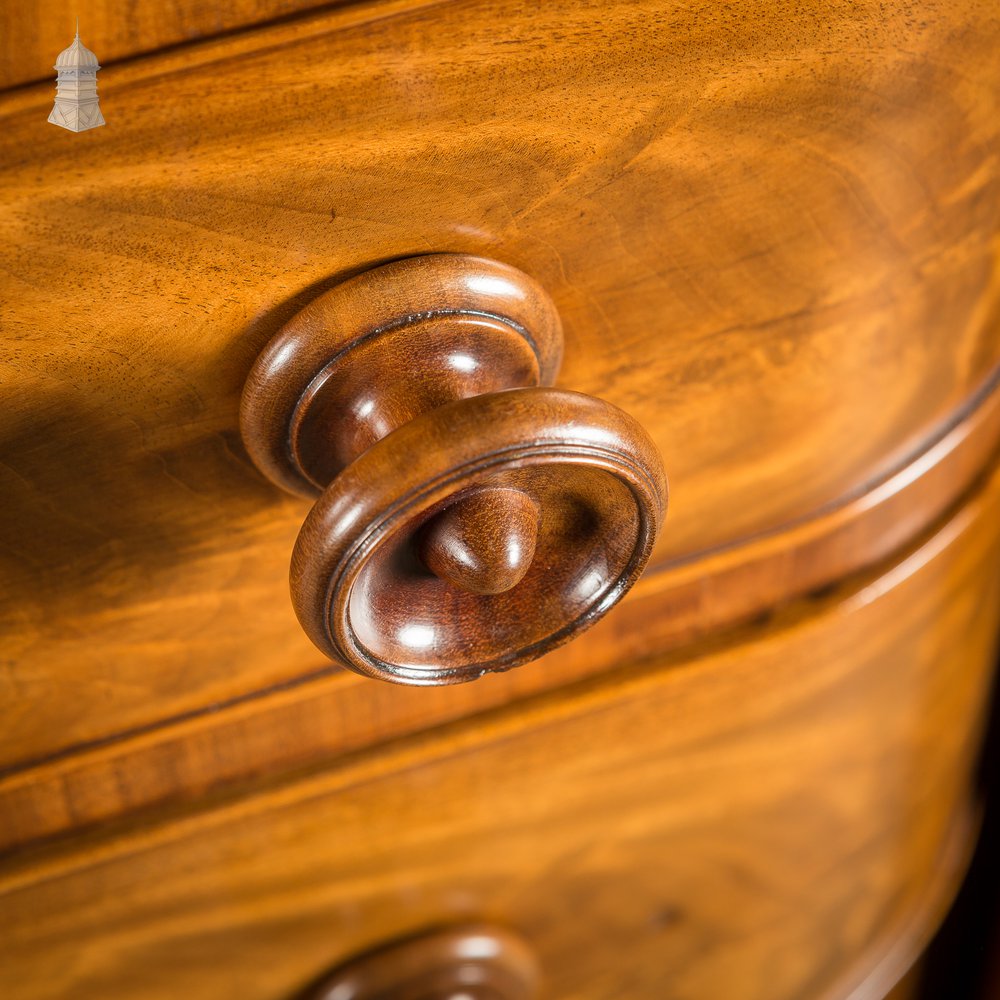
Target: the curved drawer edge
(893, 955)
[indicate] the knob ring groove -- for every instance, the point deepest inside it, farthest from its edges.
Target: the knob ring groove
(325, 609)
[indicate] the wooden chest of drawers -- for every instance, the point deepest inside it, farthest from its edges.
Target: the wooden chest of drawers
(771, 238)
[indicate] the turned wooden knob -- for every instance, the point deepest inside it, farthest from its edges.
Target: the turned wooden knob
(467, 518)
(484, 542)
(462, 963)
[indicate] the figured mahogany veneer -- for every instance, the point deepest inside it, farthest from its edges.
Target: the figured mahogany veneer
(770, 235)
(32, 34)
(474, 519)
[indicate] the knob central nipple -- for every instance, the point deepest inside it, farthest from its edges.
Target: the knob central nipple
(484, 542)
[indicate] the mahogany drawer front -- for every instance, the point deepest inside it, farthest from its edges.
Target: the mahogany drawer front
(30, 36)
(767, 817)
(769, 238)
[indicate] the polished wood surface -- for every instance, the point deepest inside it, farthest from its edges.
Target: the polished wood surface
(33, 34)
(770, 237)
(908, 988)
(476, 962)
(757, 818)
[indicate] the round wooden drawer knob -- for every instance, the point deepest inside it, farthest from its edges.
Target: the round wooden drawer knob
(467, 517)
(465, 963)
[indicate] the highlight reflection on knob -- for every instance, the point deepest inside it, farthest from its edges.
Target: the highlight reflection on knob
(471, 962)
(484, 542)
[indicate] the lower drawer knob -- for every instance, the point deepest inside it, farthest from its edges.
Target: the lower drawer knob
(464, 963)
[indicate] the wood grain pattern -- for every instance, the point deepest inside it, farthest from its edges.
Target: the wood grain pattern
(336, 713)
(33, 34)
(771, 236)
(780, 801)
